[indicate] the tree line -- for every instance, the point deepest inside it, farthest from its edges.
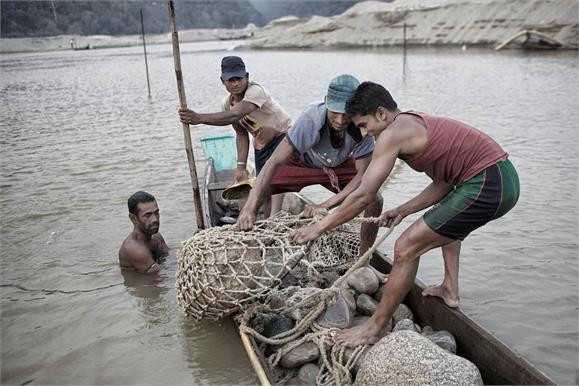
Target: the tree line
(50, 18)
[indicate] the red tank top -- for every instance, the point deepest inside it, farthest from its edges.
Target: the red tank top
(454, 151)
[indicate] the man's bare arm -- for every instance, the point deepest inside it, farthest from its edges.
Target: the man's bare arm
(222, 118)
(140, 257)
(432, 194)
(281, 154)
(242, 145)
(383, 159)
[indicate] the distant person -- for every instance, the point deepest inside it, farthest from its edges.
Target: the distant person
(472, 179)
(144, 249)
(250, 109)
(322, 147)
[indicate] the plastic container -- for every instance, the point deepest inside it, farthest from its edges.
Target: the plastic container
(222, 149)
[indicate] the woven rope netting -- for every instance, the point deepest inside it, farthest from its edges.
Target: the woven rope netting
(222, 270)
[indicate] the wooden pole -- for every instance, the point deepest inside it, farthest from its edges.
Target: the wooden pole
(186, 132)
(145, 50)
(404, 51)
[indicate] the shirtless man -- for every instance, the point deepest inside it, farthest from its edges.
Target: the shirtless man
(144, 249)
(472, 179)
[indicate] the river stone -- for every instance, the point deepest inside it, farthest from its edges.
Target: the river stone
(329, 277)
(366, 304)
(378, 294)
(308, 373)
(295, 381)
(405, 324)
(348, 353)
(337, 315)
(298, 297)
(427, 330)
(277, 301)
(444, 339)
(276, 325)
(358, 320)
(302, 354)
(363, 280)
(408, 358)
(349, 298)
(402, 312)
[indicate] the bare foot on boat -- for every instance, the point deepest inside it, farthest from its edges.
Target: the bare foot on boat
(451, 300)
(367, 333)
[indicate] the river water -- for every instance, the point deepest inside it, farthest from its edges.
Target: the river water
(79, 135)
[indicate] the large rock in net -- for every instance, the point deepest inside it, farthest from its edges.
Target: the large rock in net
(222, 270)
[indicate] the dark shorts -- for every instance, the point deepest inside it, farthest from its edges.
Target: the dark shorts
(293, 176)
(262, 155)
(483, 198)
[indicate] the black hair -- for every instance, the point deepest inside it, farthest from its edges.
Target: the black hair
(367, 98)
(137, 198)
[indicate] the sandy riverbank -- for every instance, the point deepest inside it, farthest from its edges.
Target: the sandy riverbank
(436, 22)
(369, 24)
(63, 42)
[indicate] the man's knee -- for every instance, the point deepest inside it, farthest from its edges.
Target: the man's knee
(403, 250)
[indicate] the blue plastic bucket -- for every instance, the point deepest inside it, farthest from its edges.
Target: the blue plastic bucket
(222, 149)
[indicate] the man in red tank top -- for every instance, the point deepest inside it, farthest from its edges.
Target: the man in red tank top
(473, 183)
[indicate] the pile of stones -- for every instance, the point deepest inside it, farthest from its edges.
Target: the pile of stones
(407, 354)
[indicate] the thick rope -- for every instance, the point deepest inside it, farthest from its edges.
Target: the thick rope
(334, 369)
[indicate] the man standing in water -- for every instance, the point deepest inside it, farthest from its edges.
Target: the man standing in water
(322, 147)
(472, 179)
(144, 249)
(250, 109)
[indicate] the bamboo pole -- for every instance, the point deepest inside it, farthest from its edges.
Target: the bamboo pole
(253, 359)
(186, 131)
(145, 50)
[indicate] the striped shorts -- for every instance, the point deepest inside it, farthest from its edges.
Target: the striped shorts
(483, 198)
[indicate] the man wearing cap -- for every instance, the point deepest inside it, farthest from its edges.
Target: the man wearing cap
(250, 109)
(322, 147)
(472, 181)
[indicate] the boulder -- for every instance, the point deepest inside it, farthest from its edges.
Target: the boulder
(348, 353)
(349, 298)
(297, 297)
(276, 325)
(366, 305)
(337, 315)
(402, 312)
(378, 294)
(427, 330)
(358, 320)
(444, 339)
(308, 373)
(363, 280)
(408, 358)
(405, 324)
(302, 354)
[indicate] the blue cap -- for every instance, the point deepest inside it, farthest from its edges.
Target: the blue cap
(232, 67)
(339, 91)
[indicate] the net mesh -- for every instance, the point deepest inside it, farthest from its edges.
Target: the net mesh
(222, 270)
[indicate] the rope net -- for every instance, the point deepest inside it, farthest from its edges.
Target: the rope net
(222, 270)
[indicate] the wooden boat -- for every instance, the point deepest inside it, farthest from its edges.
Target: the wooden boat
(497, 363)
(531, 40)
